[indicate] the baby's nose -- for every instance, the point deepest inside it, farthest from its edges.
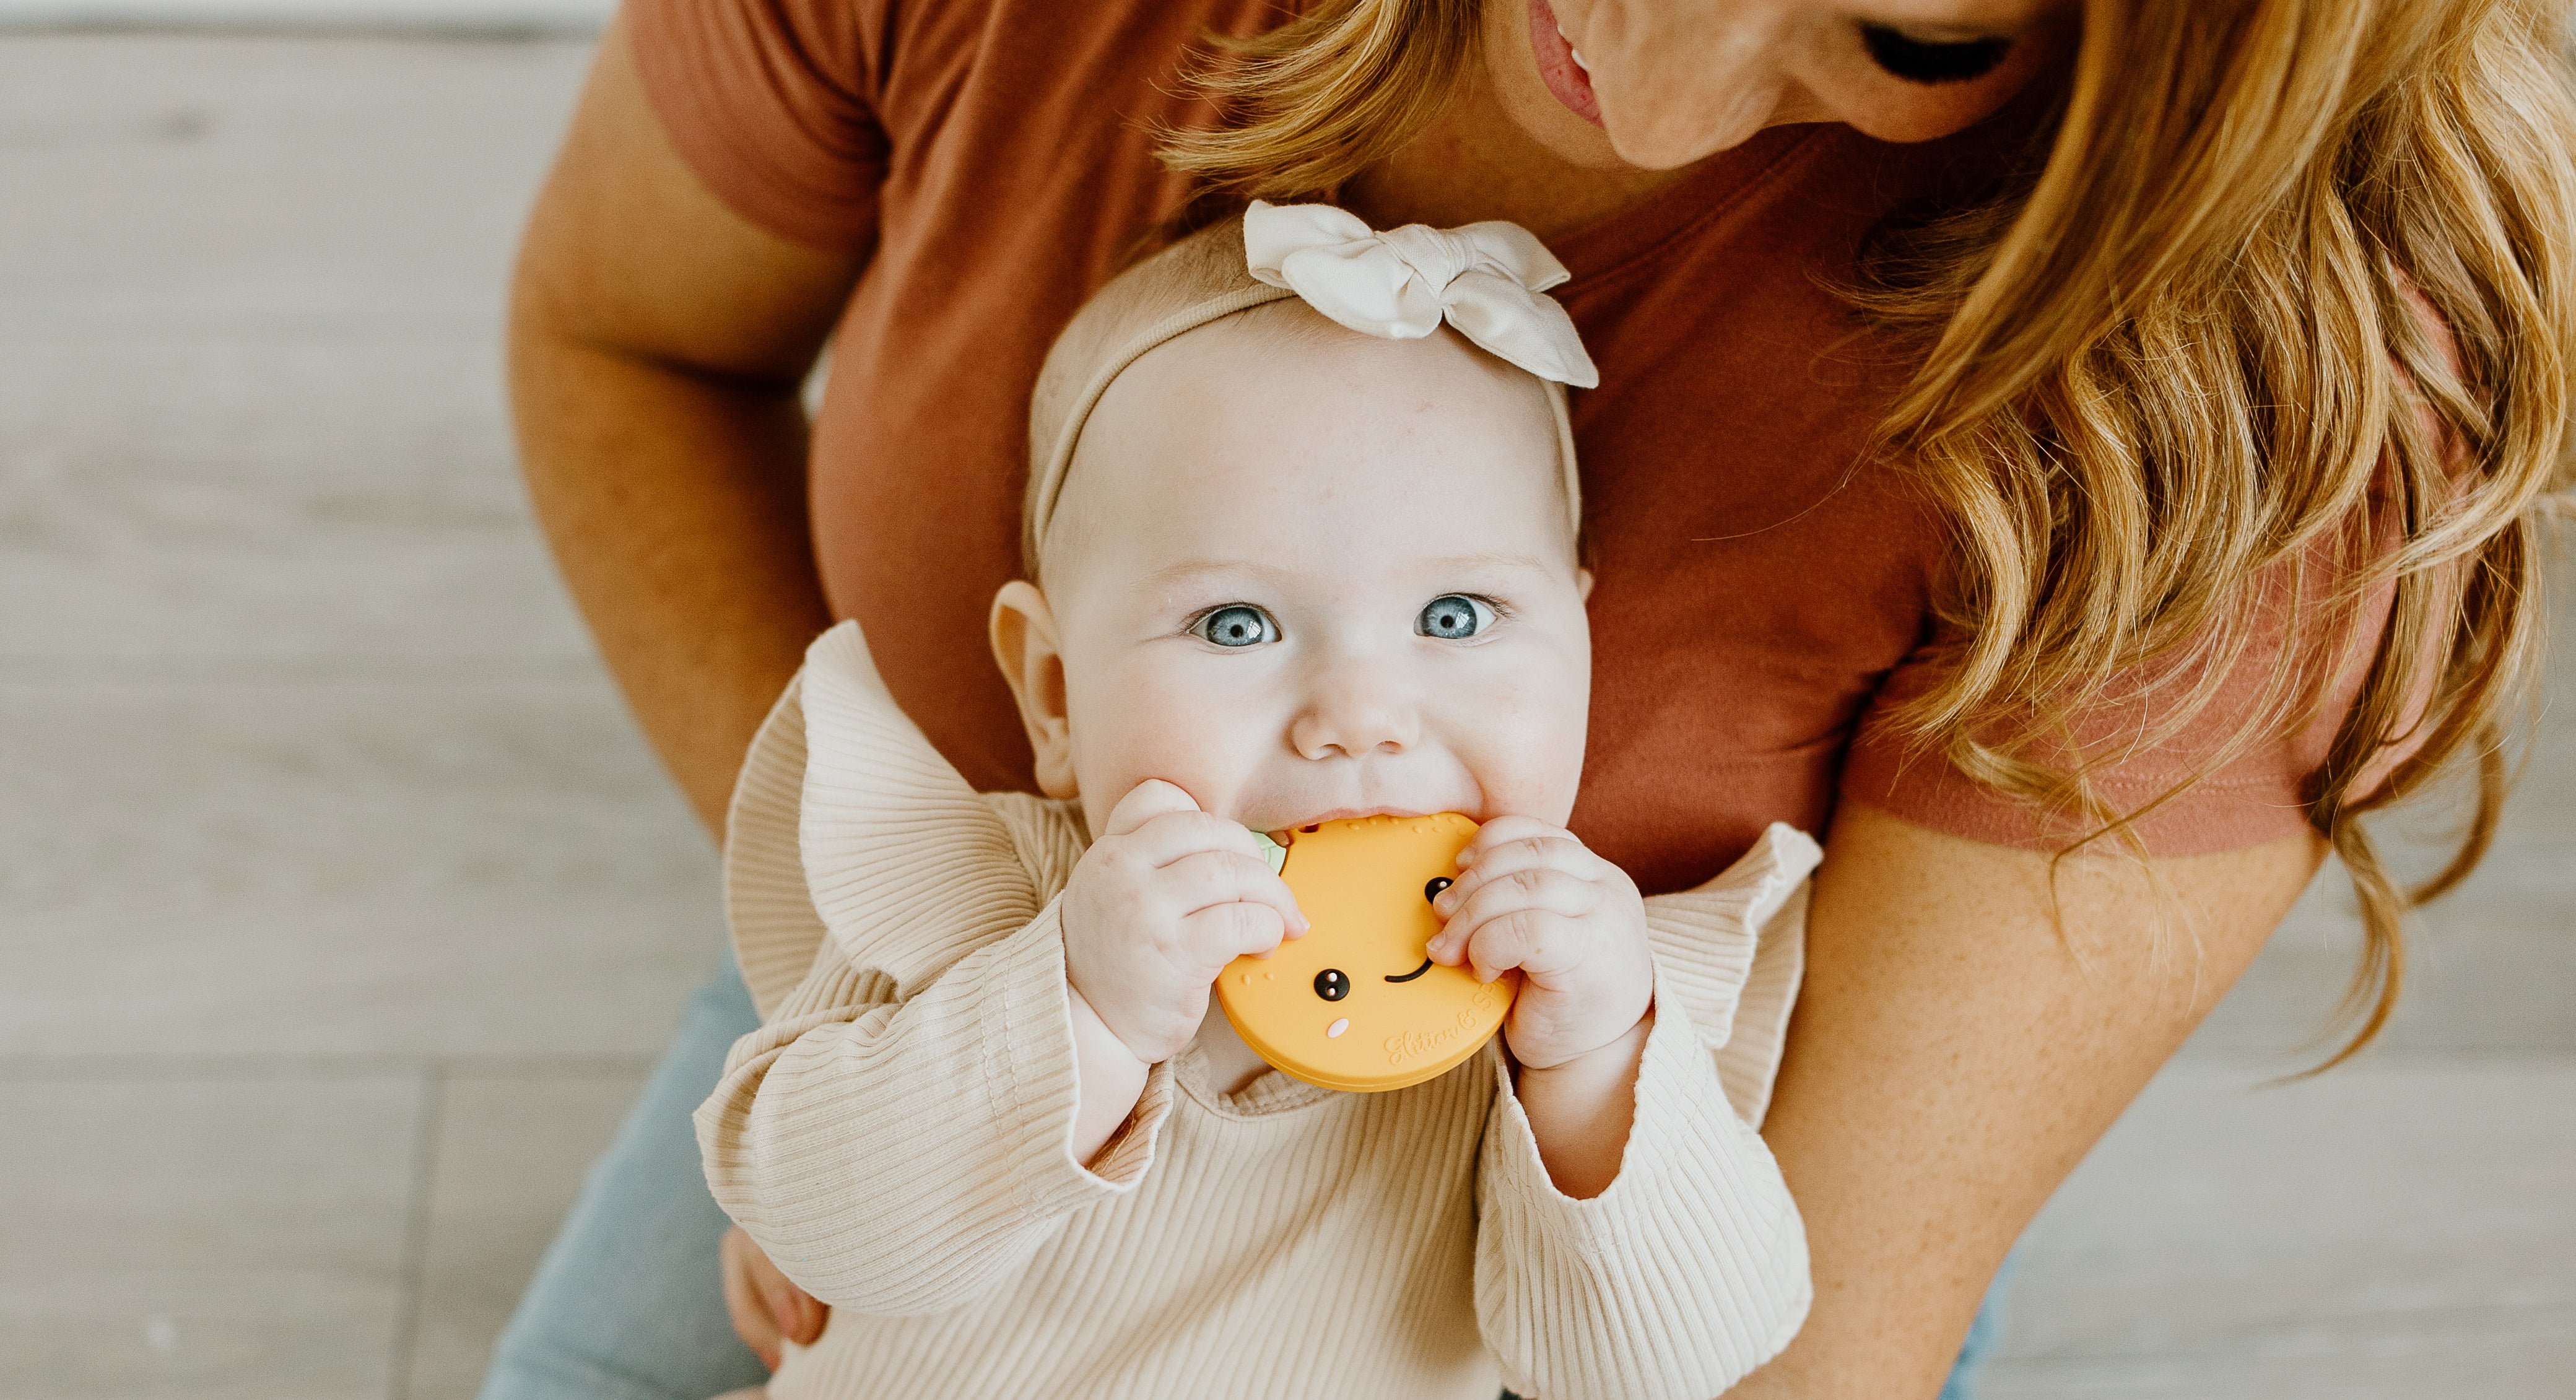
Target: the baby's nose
(1352, 719)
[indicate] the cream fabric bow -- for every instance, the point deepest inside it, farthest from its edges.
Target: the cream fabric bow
(1489, 280)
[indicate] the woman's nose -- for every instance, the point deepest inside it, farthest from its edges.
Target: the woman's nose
(1350, 718)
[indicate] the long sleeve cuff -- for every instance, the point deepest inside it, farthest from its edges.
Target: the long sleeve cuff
(1031, 1022)
(1688, 1272)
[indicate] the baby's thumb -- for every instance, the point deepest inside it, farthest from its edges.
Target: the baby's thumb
(1147, 800)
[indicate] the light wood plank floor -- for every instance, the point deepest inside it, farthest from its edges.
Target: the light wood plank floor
(343, 909)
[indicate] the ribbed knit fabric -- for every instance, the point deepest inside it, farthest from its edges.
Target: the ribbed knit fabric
(897, 1134)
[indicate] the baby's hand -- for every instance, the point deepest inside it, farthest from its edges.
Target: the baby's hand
(1158, 906)
(1531, 896)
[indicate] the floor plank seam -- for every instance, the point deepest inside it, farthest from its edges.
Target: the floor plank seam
(534, 1066)
(424, 1184)
(46, 679)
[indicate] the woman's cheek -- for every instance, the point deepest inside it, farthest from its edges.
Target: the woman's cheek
(1884, 110)
(1852, 89)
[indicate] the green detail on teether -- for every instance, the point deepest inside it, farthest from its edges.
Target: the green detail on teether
(1272, 851)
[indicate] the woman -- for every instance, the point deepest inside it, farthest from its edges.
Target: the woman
(2028, 428)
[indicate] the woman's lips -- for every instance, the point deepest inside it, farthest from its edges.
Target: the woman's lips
(1559, 66)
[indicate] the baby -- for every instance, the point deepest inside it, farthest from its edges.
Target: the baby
(1295, 551)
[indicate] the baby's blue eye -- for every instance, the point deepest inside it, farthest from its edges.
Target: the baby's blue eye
(1237, 625)
(1453, 617)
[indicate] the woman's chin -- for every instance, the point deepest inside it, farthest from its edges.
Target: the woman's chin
(1643, 146)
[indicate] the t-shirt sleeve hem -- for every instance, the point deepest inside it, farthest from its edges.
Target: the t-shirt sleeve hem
(2207, 818)
(715, 84)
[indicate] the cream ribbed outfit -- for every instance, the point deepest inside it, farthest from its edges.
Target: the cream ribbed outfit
(896, 1136)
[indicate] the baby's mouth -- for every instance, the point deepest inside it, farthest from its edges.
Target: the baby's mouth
(1287, 835)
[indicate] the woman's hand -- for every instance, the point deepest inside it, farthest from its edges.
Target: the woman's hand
(1158, 906)
(766, 1308)
(1533, 897)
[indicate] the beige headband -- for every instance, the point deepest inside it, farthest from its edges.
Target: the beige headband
(1548, 351)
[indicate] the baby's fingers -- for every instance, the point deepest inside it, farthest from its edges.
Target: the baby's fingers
(1523, 938)
(1173, 836)
(1536, 891)
(1503, 831)
(1543, 848)
(1220, 933)
(1214, 879)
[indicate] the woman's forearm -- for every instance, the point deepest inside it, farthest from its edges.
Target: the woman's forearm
(676, 507)
(1973, 1020)
(657, 346)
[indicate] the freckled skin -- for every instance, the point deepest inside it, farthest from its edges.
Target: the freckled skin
(1671, 83)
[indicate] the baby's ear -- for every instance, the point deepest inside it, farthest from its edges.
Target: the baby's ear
(1583, 585)
(1024, 642)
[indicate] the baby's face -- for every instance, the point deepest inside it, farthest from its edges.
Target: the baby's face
(1315, 575)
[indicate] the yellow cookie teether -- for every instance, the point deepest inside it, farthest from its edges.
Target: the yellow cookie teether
(1357, 1004)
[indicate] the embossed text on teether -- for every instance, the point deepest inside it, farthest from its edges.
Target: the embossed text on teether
(1414, 1045)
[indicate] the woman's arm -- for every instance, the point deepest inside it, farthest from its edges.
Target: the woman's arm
(1958, 1048)
(658, 343)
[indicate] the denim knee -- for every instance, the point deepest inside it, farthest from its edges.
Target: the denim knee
(628, 1304)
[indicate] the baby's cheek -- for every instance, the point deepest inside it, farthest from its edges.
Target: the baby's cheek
(1530, 727)
(1528, 764)
(1188, 740)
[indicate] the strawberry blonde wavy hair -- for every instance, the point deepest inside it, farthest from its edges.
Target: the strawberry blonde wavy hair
(2173, 395)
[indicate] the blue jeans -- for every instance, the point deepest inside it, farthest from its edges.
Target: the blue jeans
(628, 1304)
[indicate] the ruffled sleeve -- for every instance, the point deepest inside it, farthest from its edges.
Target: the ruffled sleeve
(1731, 953)
(897, 1136)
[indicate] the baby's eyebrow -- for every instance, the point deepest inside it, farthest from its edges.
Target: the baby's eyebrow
(1188, 569)
(1468, 562)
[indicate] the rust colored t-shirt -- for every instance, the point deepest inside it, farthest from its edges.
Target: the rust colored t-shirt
(1760, 588)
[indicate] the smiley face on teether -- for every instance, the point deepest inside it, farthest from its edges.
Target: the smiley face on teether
(1357, 1003)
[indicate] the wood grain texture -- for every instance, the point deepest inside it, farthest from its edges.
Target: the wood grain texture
(511, 1153)
(204, 1235)
(2387, 1230)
